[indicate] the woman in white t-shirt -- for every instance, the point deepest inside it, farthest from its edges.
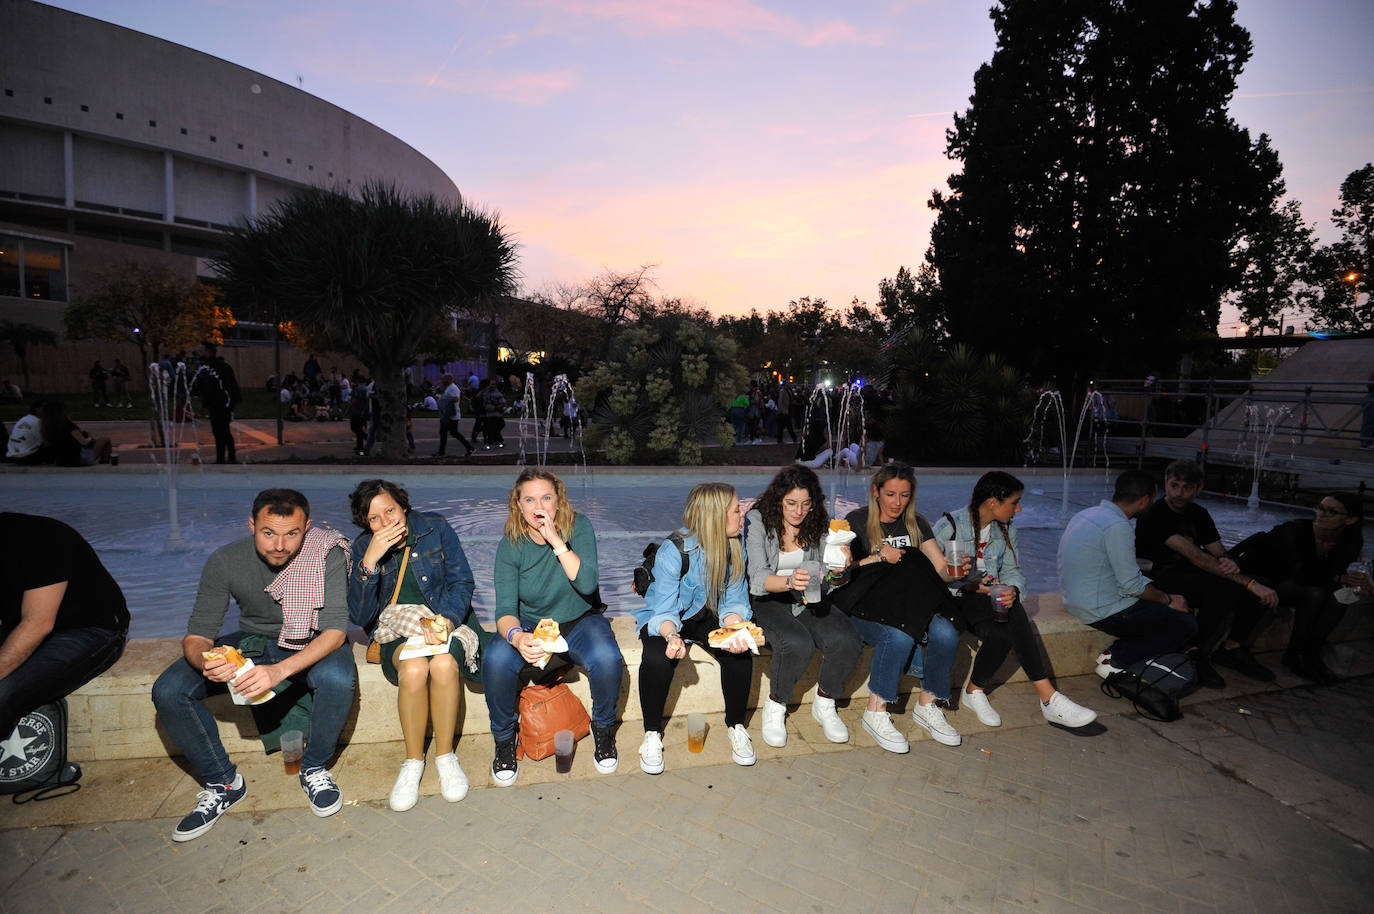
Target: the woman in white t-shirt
(995, 502)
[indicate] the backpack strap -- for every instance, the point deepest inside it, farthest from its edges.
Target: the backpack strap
(953, 527)
(677, 539)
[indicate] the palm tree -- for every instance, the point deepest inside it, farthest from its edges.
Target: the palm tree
(21, 336)
(369, 274)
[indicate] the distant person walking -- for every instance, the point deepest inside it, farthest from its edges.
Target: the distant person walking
(98, 375)
(119, 374)
(218, 390)
(449, 415)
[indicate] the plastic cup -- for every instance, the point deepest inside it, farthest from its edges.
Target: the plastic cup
(563, 745)
(816, 572)
(955, 553)
(696, 732)
(1000, 613)
(114, 460)
(292, 745)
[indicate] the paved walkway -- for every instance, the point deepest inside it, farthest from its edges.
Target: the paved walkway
(1258, 803)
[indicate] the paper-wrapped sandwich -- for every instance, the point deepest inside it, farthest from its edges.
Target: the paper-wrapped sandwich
(547, 636)
(231, 654)
(746, 633)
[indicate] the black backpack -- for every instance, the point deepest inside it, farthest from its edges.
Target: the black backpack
(1154, 685)
(644, 571)
(38, 758)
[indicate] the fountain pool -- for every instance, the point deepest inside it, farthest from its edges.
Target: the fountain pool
(125, 517)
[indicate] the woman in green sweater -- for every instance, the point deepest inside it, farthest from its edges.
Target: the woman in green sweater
(546, 569)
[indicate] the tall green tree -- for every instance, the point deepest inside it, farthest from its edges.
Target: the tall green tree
(1343, 271)
(369, 274)
(21, 336)
(1276, 262)
(1104, 186)
(150, 306)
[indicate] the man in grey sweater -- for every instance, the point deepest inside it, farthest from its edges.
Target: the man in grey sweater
(291, 584)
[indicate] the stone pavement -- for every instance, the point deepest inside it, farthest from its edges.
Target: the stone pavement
(1268, 810)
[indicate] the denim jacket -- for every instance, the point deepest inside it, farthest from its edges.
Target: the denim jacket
(437, 561)
(762, 551)
(998, 560)
(675, 597)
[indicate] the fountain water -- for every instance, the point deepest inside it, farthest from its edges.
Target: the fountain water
(529, 412)
(1261, 423)
(1051, 400)
(844, 446)
(171, 398)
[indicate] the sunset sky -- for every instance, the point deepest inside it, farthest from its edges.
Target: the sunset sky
(756, 152)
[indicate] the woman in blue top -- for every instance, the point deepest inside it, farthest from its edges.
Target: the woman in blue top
(434, 574)
(679, 609)
(987, 522)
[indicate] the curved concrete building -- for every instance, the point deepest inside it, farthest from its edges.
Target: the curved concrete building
(115, 145)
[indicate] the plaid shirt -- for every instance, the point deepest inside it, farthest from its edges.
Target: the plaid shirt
(299, 588)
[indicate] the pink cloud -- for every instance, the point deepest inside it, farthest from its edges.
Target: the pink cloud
(726, 16)
(532, 88)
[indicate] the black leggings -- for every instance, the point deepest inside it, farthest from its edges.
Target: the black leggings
(999, 638)
(656, 672)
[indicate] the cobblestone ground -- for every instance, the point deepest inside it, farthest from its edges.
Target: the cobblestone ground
(1223, 811)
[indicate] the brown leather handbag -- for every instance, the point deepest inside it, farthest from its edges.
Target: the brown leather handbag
(544, 710)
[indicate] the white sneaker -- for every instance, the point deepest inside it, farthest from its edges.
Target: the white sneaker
(1060, 710)
(651, 753)
(741, 748)
(406, 792)
(823, 710)
(774, 727)
(978, 703)
(932, 720)
(878, 724)
(453, 781)
(1104, 665)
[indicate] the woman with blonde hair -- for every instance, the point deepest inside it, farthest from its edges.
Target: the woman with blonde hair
(682, 607)
(897, 600)
(546, 569)
(406, 560)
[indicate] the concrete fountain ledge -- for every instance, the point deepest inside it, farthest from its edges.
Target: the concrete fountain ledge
(113, 717)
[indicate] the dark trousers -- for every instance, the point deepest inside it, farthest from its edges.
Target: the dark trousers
(224, 435)
(656, 672)
(358, 425)
(1000, 638)
(64, 662)
(1316, 613)
(784, 424)
(450, 427)
(1146, 629)
(1216, 602)
(794, 638)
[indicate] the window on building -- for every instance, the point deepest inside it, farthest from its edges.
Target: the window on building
(32, 269)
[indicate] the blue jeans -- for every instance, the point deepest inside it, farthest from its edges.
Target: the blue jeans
(591, 645)
(62, 663)
(179, 695)
(892, 648)
(1145, 630)
(933, 661)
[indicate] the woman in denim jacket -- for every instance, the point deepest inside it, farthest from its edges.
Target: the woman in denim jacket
(684, 608)
(787, 527)
(987, 522)
(436, 575)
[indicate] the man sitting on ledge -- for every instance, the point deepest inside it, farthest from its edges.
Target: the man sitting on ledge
(1178, 537)
(1103, 586)
(291, 585)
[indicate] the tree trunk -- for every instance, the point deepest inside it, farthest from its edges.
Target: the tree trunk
(389, 409)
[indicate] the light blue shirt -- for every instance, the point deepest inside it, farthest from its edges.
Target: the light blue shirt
(675, 597)
(1098, 574)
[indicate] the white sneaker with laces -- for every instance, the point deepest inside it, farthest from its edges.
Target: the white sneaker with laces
(977, 702)
(823, 710)
(741, 747)
(878, 724)
(1104, 665)
(651, 753)
(453, 780)
(932, 720)
(1061, 710)
(774, 727)
(406, 791)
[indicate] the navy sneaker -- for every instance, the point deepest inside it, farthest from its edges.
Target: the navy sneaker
(325, 796)
(211, 803)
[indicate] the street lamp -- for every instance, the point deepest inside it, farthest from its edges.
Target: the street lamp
(1354, 277)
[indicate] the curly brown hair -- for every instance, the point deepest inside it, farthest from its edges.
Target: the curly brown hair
(360, 502)
(814, 525)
